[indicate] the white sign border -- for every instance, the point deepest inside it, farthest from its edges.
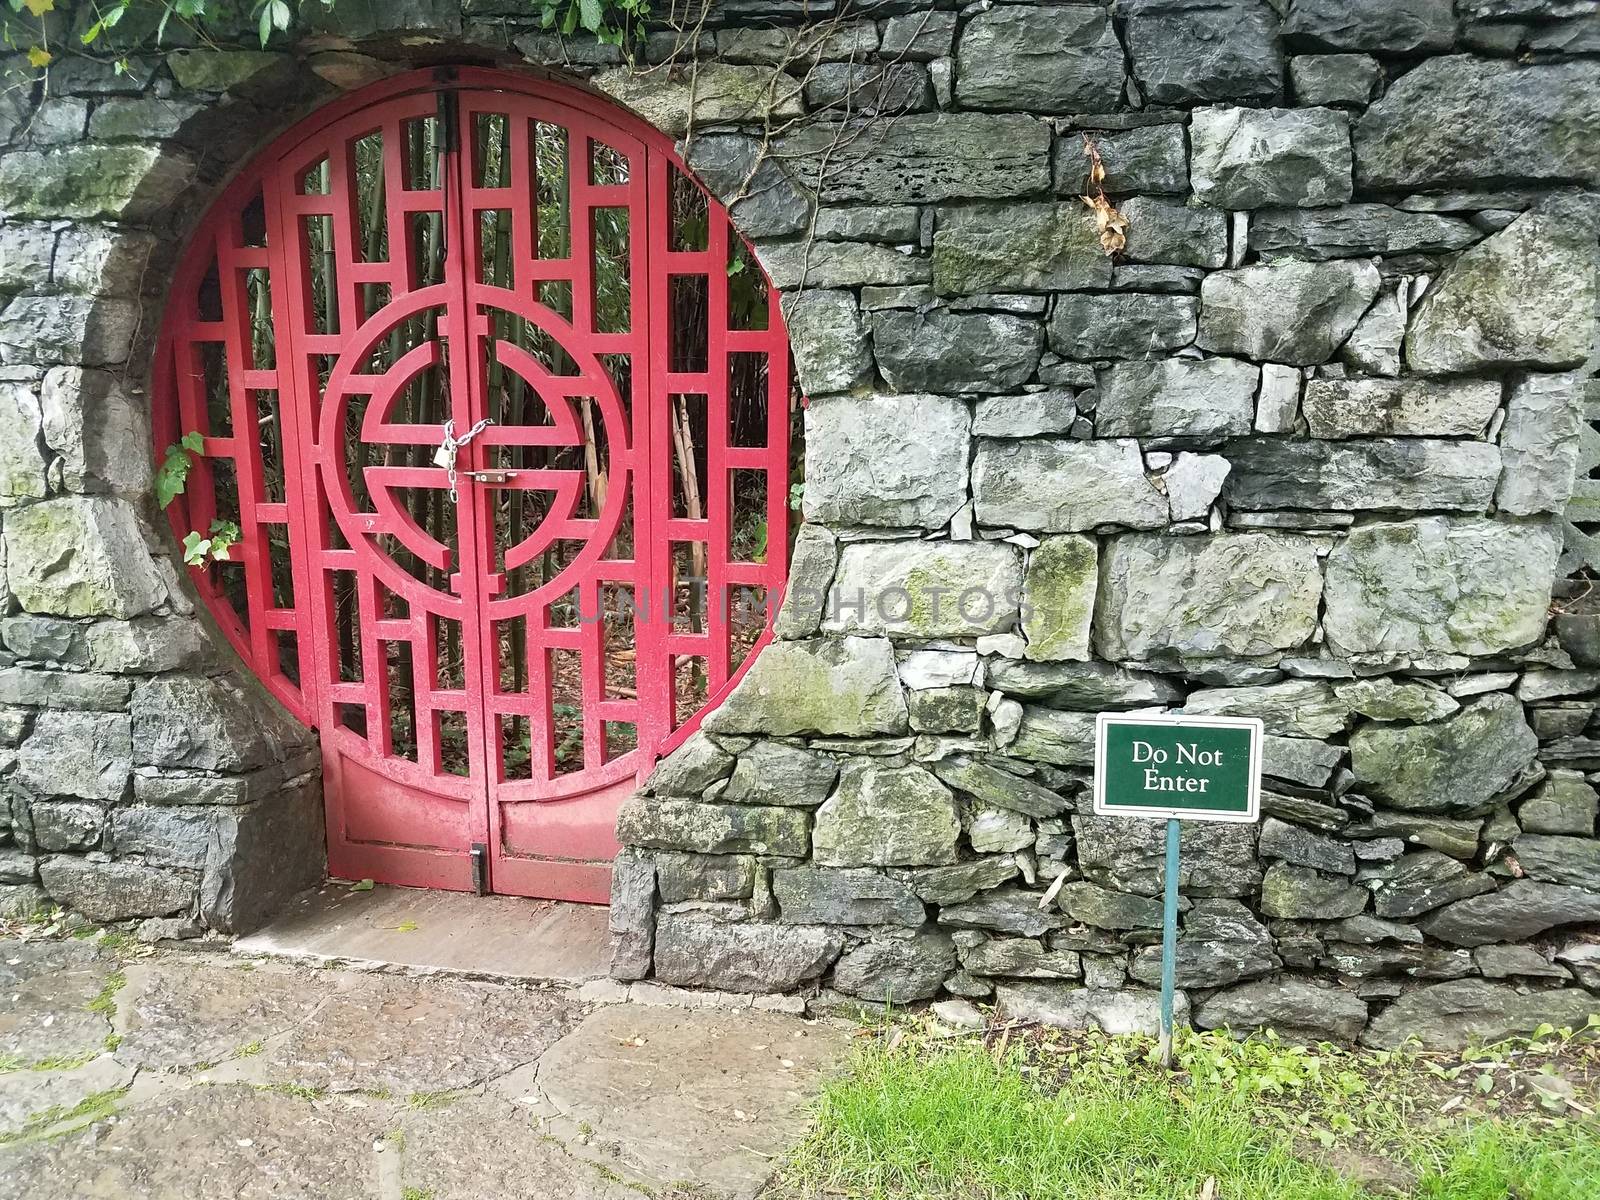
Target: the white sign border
(1105, 720)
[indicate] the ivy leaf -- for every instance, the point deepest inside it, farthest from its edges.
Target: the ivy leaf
(224, 535)
(193, 441)
(39, 7)
(194, 549)
(365, 885)
(172, 475)
(38, 56)
(591, 14)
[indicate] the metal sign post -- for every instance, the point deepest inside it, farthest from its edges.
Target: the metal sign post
(1180, 768)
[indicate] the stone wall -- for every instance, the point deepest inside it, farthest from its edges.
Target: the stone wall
(1301, 450)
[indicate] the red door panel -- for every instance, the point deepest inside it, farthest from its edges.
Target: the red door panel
(495, 657)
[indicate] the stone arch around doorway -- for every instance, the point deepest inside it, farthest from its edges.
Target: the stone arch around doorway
(148, 774)
(495, 647)
(1312, 446)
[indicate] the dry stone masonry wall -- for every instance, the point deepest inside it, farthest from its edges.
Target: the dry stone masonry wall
(1314, 446)
(1303, 450)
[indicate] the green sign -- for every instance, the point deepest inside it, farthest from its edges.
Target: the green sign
(1191, 768)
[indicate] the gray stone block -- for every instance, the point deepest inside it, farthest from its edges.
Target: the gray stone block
(1461, 120)
(665, 824)
(854, 896)
(1090, 326)
(886, 460)
(80, 556)
(1017, 484)
(1440, 585)
(1336, 79)
(1525, 297)
(1177, 397)
(922, 158)
(1041, 59)
(1456, 766)
(886, 817)
(84, 754)
(763, 200)
(926, 589)
(1184, 52)
(1017, 248)
(896, 968)
(1295, 1009)
(1352, 230)
(1345, 408)
(691, 951)
(1390, 26)
(1172, 233)
(1261, 158)
(1206, 597)
(1380, 475)
(944, 351)
(1291, 312)
(115, 891)
(840, 687)
(1149, 159)
(1540, 444)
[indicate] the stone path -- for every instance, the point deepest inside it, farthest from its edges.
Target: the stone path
(199, 1074)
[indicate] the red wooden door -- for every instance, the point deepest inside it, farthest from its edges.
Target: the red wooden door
(496, 644)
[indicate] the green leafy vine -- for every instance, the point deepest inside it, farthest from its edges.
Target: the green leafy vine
(171, 478)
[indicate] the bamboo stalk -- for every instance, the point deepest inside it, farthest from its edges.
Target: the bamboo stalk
(683, 444)
(593, 473)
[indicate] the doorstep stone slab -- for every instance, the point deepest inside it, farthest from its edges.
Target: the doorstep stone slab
(488, 937)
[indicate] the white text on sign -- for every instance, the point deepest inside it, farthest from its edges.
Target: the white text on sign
(1188, 754)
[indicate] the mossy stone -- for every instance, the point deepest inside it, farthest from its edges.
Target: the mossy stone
(1058, 591)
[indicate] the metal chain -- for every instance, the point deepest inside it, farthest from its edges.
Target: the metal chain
(445, 456)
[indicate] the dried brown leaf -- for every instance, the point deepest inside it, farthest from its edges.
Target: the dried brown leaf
(1111, 225)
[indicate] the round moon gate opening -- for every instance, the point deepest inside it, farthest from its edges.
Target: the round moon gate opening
(493, 411)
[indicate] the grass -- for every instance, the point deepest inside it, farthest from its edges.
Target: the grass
(106, 1002)
(300, 1091)
(1492, 1160)
(423, 1101)
(1089, 1117)
(61, 1119)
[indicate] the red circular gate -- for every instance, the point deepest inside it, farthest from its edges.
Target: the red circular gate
(499, 406)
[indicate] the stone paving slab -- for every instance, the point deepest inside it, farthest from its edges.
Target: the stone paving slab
(46, 989)
(257, 1080)
(232, 1142)
(331, 1029)
(27, 1095)
(700, 1096)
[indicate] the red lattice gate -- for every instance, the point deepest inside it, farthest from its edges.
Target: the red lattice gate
(524, 272)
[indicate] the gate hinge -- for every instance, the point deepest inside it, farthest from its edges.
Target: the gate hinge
(480, 868)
